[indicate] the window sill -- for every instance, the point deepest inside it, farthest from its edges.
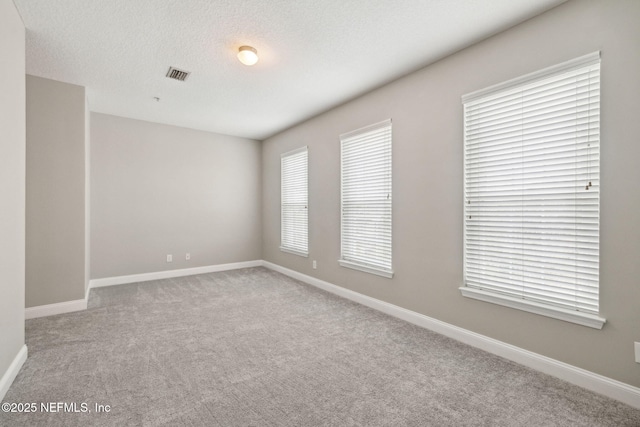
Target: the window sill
(294, 252)
(585, 319)
(377, 271)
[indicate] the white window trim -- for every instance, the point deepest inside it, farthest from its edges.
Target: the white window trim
(361, 267)
(577, 317)
(294, 252)
(383, 272)
(585, 319)
(284, 248)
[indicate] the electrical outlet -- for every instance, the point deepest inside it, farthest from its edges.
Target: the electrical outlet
(637, 347)
(315, 264)
(169, 258)
(188, 256)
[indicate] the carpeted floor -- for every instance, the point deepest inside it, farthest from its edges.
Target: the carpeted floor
(255, 348)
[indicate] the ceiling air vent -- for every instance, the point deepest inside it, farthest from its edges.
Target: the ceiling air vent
(176, 74)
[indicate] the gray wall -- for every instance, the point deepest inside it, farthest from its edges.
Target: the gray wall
(159, 189)
(12, 183)
(55, 242)
(428, 188)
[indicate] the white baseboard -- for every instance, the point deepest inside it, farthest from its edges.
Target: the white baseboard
(145, 277)
(57, 308)
(81, 304)
(11, 373)
(591, 381)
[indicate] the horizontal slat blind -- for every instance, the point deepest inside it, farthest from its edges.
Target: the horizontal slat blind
(366, 196)
(532, 156)
(294, 201)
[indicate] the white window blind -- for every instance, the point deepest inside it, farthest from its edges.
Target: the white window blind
(532, 189)
(294, 227)
(366, 199)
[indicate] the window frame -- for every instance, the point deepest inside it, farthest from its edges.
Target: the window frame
(381, 134)
(579, 317)
(295, 155)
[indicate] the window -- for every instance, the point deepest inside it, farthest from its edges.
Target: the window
(366, 199)
(294, 226)
(531, 186)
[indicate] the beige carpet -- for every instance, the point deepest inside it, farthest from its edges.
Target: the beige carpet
(255, 348)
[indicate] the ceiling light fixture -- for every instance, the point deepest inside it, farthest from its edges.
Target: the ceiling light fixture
(247, 55)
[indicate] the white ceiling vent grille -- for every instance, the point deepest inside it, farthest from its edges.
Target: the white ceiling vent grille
(176, 74)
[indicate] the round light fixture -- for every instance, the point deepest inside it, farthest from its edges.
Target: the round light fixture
(247, 55)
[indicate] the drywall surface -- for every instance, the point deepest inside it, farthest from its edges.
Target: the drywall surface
(12, 184)
(55, 192)
(159, 190)
(427, 116)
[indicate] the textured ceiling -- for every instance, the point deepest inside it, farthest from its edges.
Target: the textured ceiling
(314, 54)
